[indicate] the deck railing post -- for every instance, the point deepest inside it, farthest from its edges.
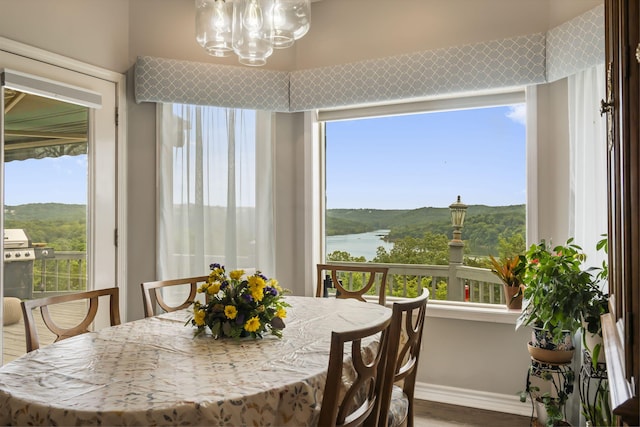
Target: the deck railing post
(455, 289)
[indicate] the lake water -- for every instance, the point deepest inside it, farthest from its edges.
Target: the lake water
(363, 244)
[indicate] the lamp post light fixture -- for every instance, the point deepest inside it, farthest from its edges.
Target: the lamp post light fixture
(457, 288)
(458, 212)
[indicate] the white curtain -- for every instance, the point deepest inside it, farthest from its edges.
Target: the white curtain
(214, 190)
(587, 133)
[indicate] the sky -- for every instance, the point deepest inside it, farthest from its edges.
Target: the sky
(427, 160)
(399, 162)
(49, 180)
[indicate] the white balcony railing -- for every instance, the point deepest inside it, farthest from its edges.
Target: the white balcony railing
(452, 282)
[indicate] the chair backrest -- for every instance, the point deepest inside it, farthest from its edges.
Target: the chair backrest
(30, 326)
(405, 339)
(344, 278)
(152, 294)
(352, 403)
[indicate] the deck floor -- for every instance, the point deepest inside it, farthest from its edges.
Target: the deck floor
(14, 343)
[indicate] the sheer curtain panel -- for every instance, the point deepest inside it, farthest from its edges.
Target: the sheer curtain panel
(214, 190)
(587, 134)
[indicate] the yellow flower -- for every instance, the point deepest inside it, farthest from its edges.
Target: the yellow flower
(274, 284)
(231, 312)
(256, 282)
(214, 288)
(216, 274)
(257, 294)
(252, 324)
(236, 274)
(203, 288)
(198, 317)
(281, 313)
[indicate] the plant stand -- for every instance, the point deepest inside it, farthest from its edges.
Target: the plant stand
(594, 392)
(548, 386)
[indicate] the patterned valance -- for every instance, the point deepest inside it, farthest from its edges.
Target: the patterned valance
(495, 64)
(186, 82)
(517, 61)
(576, 45)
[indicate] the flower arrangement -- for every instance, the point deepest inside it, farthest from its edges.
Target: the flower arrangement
(238, 306)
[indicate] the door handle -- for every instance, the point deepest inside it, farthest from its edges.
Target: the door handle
(605, 107)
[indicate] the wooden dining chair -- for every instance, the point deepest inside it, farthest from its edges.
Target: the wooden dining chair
(352, 281)
(92, 297)
(405, 339)
(152, 294)
(356, 402)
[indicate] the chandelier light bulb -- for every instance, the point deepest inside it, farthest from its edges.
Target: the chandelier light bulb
(303, 19)
(213, 26)
(250, 28)
(221, 18)
(252, 17)
(279, 14)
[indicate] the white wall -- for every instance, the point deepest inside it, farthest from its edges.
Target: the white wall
(92, 31)
(364, 29)
(111, 34)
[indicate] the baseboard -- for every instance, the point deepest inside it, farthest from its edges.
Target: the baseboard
(506, 403)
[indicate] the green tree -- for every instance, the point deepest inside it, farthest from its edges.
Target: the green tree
(511, 245)
(342, 256)
(431, 249)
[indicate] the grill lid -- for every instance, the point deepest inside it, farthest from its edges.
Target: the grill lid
(17, 245)
(16, 238)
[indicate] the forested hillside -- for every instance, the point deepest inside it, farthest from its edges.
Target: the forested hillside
(483, 226)
(60, 226)
(63, 226)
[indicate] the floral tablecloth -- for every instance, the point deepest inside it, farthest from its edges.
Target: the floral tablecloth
(154, 372)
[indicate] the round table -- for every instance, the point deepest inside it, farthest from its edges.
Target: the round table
(154, 372)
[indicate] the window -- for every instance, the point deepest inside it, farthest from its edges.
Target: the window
(391, 172)
(214, 190)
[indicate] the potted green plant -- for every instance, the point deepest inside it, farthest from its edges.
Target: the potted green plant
(596, 406)
(598, 305)
(557, 293)
(510, 271)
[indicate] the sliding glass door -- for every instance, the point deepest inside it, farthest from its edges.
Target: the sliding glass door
(59, 189)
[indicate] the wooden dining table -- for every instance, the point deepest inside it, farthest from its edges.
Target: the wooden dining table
(154, 371)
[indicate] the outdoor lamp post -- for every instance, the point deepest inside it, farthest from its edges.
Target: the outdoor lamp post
(455, 290)
(458, 212)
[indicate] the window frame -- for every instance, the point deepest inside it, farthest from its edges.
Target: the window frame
(315, 177)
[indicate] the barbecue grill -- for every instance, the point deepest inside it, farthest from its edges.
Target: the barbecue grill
(19, 255)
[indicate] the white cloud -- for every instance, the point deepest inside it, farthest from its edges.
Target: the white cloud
(518, 113)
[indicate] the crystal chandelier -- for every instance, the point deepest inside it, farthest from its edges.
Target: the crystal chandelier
(250, 28)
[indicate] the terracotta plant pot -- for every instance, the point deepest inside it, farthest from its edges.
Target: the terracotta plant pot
(555, 357)
(512, 303)
(544, 349)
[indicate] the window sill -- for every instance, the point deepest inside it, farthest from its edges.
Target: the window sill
(472, 311)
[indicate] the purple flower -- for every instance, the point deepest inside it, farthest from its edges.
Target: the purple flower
(224, 285)
(265, 278)
(247, 297)
(269, 290)
(240, 319)
(215, 265)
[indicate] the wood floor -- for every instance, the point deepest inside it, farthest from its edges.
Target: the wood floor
(434, 414)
